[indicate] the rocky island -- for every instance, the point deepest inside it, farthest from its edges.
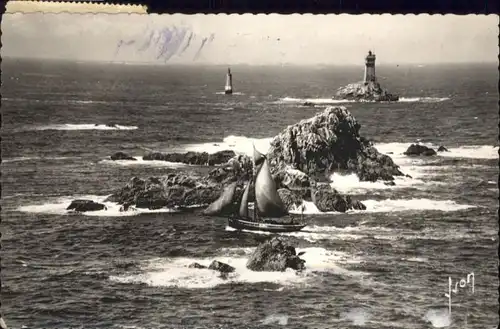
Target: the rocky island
(302, 157)
(367, 90)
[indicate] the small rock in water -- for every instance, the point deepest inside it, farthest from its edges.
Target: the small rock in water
(221, 267)
(196, 265)
(122, 156)
(275, 255)
(389, 183)
(417, 149)
(85, 205)
(443, 149)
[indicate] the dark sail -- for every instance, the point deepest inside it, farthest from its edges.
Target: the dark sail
(244, 202)
(224, 203)
(269, 203)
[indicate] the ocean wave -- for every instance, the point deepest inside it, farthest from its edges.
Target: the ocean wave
(396, 150)
(69, 126)
(423, 99)
(18, 159)
(140, 162)
(174, 272)
(58, 207)
(237, 93)
(331, 101)
(239, 144)
(319, 101)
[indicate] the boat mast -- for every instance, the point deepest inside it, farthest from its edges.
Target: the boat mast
(254, 177)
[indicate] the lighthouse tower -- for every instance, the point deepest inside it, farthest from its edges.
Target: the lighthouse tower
(229, 83)
(370, 67)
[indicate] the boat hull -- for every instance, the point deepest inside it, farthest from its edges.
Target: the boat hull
(241, 224)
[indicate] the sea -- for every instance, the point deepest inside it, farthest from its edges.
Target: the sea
(393, 265)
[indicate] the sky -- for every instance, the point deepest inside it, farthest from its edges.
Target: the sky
(251, 39)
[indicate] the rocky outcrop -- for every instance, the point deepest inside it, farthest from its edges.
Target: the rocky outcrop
(328, 142)
(192, 158)
(301, 154)
(365, 91)
(173, 190)
(418, 149)
(122, 156)
(85, 205)
(275, 255)
(221, 267)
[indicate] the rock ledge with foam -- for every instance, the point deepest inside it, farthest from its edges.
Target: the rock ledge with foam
(365, 91)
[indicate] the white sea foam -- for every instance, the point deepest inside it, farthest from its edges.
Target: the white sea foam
(19, 159)
(281, 319)
(358, 316)
(141, 162)
(236, 93)
(390, 205)
(423, 99)
(351, 184)
(239, 144)
(319, 101)
(90, 126)
(58, 207)
(174, 272)
(330, 101)
(439, 318)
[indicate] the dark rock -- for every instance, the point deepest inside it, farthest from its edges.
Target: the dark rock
(221, 267)
(418, 149)
(365, 91)
(275, 255)
(291, 199)
(294, 180)
(85, 205)
(328, 199)
(442, 149)
(308, 104)
(122, 156)
(390, 183)
(327, 142)
(196, 265)
(192, 158)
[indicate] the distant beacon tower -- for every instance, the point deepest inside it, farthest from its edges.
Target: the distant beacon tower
(229, 82)
(370, 67)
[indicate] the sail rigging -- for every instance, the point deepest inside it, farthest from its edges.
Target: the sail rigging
(224, 203)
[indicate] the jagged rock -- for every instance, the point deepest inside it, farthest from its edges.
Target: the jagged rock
(122, 156)
(390, 183)
(196, 265)
(326, 142)
(85, 205)
(193, 158)
(365, 91)
(311, 104)
(418, 149)
(291, 199)
(173, 190)
(328, 199)
(275, 255)
(442, 149)
(294, 180)
(237, 168)
(221, 267)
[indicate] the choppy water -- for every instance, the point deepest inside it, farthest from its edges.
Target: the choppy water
(387, 267)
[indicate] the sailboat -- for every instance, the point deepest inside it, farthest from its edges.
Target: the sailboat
(269, 212)
(229, 83)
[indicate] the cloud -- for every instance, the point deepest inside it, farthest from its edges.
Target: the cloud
(251, 39)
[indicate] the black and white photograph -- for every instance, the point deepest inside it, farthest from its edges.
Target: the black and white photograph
(249, 171)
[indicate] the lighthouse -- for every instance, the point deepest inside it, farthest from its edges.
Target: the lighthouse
(370, 68)
(229, 82)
